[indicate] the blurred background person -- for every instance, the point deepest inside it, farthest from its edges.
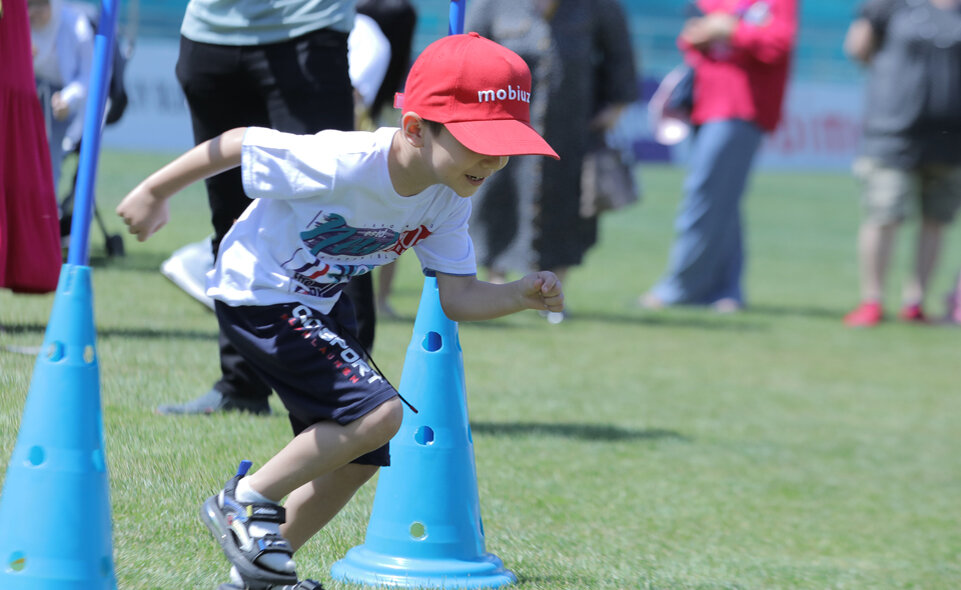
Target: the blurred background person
(396, 20)
(277, 65)
(368, 55)
(527, 216)
(378, 51)
(30, 256)
(740, 53)
(911, 145)
(62, 38)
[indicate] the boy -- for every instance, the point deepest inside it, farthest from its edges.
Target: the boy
(327, 207)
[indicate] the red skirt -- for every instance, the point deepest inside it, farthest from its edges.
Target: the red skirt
(30, 254)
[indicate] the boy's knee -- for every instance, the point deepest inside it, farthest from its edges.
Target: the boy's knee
(383, 422)
(393, 416)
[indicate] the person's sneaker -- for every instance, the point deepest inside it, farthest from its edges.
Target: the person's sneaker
(866, 315)
(727, 305)
(913, 313)
(650, 301)
(215, 401)
(953, 315)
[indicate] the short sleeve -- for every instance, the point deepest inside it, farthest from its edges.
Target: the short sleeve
(276, 165)
(449, 248)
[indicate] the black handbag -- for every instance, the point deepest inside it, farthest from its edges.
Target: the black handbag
(607, 181)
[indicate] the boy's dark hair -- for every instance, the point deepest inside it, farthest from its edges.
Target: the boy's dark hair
(434, 127)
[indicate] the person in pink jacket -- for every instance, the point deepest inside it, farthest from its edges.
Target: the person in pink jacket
(740, 52)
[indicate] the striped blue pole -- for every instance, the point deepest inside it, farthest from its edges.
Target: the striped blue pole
(92, 128)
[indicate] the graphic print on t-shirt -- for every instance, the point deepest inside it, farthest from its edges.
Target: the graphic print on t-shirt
(331, 236)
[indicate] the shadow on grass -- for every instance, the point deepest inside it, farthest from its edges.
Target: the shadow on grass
(143, 333)
(780, 311)
(603, 432)
(685, 319)
(558, 581)
(694, 318)
(148, 262)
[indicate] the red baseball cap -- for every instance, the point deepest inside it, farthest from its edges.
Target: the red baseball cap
(480, 91)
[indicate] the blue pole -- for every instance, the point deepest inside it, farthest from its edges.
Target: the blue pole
(456, 14)
(92, 126)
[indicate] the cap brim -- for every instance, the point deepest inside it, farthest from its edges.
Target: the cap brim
(506, 137)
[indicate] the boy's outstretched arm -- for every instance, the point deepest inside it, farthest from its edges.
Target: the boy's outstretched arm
(144, 209)
(466, 299)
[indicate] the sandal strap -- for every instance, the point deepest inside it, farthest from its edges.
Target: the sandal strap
(306, 584)
(272, 543)
(265, 512)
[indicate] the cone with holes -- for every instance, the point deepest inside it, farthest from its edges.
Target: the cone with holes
(425, 529)
(55, 525)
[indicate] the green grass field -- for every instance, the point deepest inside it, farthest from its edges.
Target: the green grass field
(622, 449)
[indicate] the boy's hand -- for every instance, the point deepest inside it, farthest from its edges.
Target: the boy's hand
(542, 291)
(467, 299)
(143, 212)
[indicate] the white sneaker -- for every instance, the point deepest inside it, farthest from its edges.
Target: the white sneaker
(187, 268)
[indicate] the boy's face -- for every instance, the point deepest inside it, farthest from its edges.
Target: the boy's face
(457, 167)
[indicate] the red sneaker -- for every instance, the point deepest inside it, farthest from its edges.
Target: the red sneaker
(913, 313)
(868, 314)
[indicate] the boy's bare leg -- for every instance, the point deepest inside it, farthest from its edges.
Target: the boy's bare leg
(385, 285)
(311, 506)
(325, 447)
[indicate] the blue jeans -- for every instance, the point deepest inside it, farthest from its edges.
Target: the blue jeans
(707, 259)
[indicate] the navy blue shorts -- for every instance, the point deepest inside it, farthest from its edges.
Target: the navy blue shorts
(313, 362)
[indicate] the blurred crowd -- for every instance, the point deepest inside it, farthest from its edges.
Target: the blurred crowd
(735, 60)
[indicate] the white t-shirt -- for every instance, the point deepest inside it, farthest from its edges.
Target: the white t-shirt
(325, 210)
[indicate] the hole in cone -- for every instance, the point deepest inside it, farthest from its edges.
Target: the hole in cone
(424, 435)
(17, 562)
(433, 342)
(418, 531)
(36, 456)
(55, 351)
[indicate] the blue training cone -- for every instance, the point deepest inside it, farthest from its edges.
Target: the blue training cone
(425, 528)
(55, 524)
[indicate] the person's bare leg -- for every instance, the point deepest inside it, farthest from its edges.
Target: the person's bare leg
(311, 506)
(385, 285)
(325, 447)
(930, 235)
(875, 243)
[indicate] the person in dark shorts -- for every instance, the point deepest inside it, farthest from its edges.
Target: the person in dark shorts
(329, 207)
(910, 157)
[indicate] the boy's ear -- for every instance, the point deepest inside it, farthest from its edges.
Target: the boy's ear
(414, 129)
